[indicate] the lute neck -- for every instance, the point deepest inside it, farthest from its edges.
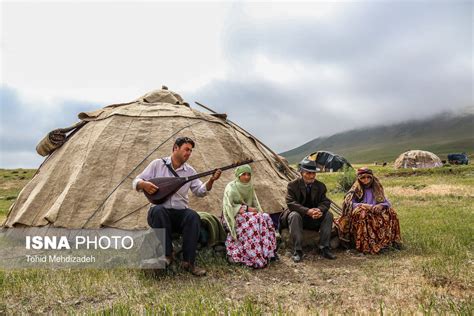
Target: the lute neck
(207, 173)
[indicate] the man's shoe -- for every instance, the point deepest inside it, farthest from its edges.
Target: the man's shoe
(326, 253)
(298, 256)
(193, 269)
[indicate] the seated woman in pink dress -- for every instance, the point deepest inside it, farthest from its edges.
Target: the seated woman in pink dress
(251, 235)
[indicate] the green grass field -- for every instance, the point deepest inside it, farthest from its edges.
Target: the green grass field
(433, 274)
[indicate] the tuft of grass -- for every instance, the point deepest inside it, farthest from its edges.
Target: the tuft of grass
(345, 179)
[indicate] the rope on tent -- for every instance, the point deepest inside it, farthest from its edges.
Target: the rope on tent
(135, 210)
(223, 116)
(134, 169)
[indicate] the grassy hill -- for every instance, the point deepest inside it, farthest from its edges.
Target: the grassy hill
(442, 134)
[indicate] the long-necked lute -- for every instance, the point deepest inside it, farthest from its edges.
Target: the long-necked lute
(167, 186)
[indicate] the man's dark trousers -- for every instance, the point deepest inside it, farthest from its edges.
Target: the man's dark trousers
(296, 224)
(185, 221)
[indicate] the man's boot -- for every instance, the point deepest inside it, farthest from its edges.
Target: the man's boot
(298, 256)
(326, 253)
(193, 269)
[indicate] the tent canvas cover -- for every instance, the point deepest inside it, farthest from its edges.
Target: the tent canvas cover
(86, 182)
(417, 159)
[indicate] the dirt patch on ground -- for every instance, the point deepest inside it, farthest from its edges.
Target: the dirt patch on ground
(353, 282)
(13, 184)
(434, 189)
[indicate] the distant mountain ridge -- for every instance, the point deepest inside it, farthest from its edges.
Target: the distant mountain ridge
(441, 134)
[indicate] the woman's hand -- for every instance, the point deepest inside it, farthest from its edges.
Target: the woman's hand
(245, 208)
(378, 208)
(252, 210)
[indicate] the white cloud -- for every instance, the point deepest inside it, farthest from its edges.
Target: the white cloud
(282, 72)
(109, 52)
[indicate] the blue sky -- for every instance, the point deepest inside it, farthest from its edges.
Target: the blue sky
(287, 72)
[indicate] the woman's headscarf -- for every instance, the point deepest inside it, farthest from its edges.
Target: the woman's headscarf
(357, 189)
(237, 193)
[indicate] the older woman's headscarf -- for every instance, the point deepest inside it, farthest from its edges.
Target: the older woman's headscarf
(237, 193)
(357, 189)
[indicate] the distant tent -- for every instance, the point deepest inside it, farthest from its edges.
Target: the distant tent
(327, 161)
(417, 159)
(86, 179)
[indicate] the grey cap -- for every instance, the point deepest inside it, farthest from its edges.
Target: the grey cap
(308, 165)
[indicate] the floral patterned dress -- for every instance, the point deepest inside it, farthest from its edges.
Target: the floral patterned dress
(255, 244)
(372, 231)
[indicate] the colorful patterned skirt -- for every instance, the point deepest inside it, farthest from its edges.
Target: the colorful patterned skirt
(372, 231)
(255, 244)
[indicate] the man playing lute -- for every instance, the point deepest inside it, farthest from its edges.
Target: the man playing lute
(174, 214)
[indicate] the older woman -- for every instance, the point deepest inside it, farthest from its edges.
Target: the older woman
(251, 235)
(368, 217)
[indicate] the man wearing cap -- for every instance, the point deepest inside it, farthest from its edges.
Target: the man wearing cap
(308, 208)
(174, 214)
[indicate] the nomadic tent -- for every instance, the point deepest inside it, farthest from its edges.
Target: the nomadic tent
(327, 161)
(87, 181)
(417, 159)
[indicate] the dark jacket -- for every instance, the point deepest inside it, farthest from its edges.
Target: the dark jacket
(296, 196)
